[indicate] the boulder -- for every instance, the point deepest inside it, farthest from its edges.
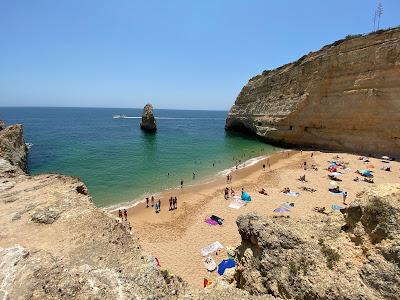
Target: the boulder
(148, 121)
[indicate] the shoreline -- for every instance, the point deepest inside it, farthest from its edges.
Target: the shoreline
(175, 237)
(251, 162)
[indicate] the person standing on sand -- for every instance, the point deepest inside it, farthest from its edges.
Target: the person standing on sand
(156, 208)
(170, 203)
(126, 215)
(175, 203)
(344, 197)
(152, 201)
(147, 202)
(227, 178)
(159, 204)
(120, 214)
(263, 167)
(305, 165)
(181, 183)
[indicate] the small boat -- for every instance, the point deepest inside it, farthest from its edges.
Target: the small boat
(119, 117)
(29, 145)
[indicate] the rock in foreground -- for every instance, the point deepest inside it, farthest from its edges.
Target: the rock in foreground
(148, 121)
(331, 257)
(343, 97)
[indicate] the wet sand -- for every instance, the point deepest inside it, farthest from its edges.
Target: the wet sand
(176, 237)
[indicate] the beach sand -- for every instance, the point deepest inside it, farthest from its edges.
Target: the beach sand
(176, 237)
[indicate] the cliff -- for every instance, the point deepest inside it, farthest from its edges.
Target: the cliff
(344, 97)
(13, 150)
(355, 257)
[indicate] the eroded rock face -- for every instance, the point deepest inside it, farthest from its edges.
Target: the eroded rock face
(345, 97)
(12, 146)
(355, 256)
(148, 121)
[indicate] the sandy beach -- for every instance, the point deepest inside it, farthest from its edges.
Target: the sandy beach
(176, 237)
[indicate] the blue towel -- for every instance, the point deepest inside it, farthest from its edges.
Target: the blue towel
(225, 264)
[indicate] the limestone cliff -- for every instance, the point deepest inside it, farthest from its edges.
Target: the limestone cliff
(345, 97)
(356, 257)
(12, 146)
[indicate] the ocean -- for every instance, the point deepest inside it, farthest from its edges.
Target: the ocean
(117, 161)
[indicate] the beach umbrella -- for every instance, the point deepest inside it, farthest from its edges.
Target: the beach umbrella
(281, 210)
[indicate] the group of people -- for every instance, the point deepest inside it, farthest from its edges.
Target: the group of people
(227, 192)
(173, 203)
(124, 216)
(157, 204)
(229, 178)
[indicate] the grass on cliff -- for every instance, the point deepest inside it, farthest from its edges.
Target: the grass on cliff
(331, 255)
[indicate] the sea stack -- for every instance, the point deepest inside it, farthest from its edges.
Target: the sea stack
(148, 123)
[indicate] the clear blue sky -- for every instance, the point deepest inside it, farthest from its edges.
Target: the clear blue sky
(175, 54)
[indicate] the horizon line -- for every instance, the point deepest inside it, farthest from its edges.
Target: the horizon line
(98, 107)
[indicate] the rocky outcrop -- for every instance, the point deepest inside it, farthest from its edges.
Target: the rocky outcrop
(344, 97)
(148, 121)
(13, 150)
(355, 257)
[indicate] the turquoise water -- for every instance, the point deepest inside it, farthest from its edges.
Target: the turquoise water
(117, 161)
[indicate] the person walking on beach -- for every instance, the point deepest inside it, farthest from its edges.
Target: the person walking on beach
(305, 165)
(344, 197)
(181, 183)
(156, 208)
(227, 179)
(159, 204)
(152, 201)
(263, 167)
(120, 214)
(147, 202)
(126, 215)
(170, 203)
(175, 203)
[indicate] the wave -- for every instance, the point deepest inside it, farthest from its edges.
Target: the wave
(171, 118)
(247, 163)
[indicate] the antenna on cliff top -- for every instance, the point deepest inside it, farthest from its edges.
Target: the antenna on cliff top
(378, 14)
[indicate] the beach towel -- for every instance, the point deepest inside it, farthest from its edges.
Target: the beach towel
(336, 207)
(281, 210)
(217, 219)
(293, 194)
(209, 264)
(336, 174)
(226, 264)
(338, 193)
(287, 205)
(211, 248)
(210, 221)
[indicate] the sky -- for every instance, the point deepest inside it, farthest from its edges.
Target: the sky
(177, 54)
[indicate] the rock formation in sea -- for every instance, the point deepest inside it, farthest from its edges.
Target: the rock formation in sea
(148, 121)
(355, 257)
(346, 97)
